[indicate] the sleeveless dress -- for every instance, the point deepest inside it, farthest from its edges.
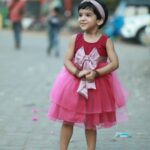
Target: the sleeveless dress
(103, 106)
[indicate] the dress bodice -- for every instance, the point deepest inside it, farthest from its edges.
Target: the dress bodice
(100, 45)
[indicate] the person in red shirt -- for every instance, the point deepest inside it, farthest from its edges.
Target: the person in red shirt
(16, 8)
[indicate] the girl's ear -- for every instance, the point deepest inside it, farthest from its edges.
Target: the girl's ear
(100, 22)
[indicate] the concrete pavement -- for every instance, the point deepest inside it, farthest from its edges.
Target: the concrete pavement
(26, 77)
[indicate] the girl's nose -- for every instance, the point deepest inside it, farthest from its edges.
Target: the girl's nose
(82, 17)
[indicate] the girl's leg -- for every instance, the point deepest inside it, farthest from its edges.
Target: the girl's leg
(66, 134)
(91, 138)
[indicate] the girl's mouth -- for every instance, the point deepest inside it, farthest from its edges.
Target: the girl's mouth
(82, 24)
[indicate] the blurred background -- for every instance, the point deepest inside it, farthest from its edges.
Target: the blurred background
(28, 73)
(123, 14)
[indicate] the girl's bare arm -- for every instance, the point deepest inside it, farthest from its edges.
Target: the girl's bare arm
(113, 64)
(114, 61)
(69, 56)
(68, 60)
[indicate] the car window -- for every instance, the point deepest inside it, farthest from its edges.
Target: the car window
(142, 10)
(136, 10)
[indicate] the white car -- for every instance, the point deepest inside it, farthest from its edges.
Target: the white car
(134, 27)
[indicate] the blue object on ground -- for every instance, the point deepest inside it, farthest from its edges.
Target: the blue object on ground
(122, 135)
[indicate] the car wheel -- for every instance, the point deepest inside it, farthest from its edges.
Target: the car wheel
(143, 37)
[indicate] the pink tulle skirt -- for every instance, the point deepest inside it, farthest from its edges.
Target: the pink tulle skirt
(105, 106)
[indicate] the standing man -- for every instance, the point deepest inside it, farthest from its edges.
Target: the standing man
(16, 9)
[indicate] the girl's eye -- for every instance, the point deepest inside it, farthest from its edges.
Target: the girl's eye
(88, 15)
(80, 15)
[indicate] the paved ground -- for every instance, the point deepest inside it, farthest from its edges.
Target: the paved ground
(26, 77)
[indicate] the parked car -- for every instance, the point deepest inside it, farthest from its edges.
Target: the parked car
(136, 19)
(130, 20)
(134, 27)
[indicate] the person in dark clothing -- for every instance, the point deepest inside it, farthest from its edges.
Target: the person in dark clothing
(54, 25)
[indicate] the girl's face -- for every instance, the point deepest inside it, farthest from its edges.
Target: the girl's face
(88, 20)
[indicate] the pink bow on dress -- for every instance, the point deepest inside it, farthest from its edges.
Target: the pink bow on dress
(88, 62)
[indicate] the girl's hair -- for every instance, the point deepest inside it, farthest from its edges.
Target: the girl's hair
(88, 5)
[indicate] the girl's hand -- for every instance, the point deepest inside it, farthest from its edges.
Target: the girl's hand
(83, 73)
(91, 76)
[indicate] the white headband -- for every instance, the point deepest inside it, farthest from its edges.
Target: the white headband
(98, 6)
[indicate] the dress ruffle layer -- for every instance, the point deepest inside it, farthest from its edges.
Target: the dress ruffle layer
(104, 108)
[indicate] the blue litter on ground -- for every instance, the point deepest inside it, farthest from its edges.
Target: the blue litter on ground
(122, 135)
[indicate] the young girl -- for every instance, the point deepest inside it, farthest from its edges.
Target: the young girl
(87, 92)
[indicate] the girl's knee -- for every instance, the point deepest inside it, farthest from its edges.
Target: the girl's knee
(66, 123)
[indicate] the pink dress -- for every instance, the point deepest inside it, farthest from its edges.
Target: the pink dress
(101, 104)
